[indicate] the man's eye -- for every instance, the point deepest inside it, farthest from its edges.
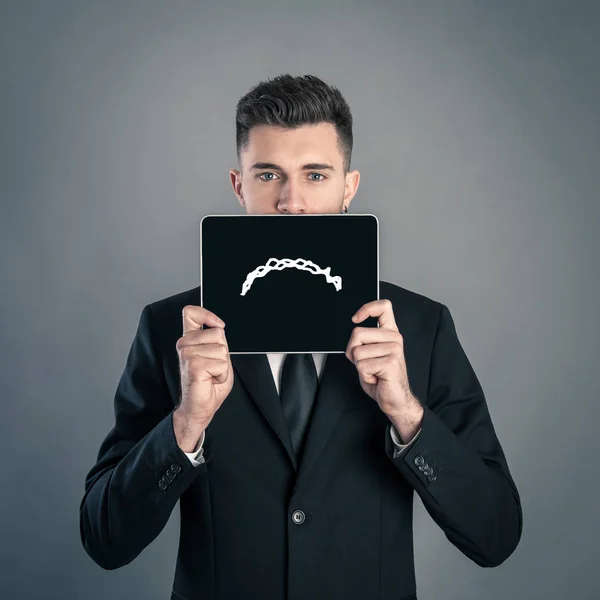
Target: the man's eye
(261, 176)
(318, 175)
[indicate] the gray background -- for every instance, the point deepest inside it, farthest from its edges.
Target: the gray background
(477, 137)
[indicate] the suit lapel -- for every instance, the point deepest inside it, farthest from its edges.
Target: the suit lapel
(337, 392)
(255, 372)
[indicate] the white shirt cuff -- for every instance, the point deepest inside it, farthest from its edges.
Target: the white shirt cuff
(399, 446)
(196, 456)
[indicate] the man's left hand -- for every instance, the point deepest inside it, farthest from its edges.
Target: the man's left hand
(378, 355)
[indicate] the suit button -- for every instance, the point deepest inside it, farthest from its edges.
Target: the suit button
(162, 484)
(428, 470)
(419, 460)
(175, 468)
(298, 517)
(432, 477)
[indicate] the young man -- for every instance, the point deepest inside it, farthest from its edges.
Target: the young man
(275, 505)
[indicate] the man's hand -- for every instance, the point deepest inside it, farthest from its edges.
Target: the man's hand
(206, 374)
(378, 355)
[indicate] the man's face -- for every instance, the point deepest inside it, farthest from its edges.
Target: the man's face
(297, 171)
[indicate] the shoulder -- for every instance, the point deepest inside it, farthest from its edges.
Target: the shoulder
(418, 316)
(408, 300)
(165, 313)
(176, 302)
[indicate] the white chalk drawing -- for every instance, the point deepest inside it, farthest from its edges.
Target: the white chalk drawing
(274, 264)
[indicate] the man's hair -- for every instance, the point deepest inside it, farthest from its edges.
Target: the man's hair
(287, 101)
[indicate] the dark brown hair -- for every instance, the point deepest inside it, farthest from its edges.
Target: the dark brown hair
(287, 101)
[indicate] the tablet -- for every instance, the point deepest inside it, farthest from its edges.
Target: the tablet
(289, 283)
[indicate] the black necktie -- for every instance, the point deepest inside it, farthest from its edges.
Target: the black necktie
(299, 383)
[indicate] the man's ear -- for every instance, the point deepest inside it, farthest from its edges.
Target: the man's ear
(352, 181)
(236, 183)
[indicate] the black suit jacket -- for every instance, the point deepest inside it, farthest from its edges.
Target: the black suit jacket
(353, 537)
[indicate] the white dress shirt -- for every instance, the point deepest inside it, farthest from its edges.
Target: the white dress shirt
(276, 362)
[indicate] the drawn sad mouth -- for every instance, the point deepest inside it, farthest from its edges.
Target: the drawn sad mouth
(274, 264)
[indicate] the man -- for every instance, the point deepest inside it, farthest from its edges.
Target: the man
(275, 505)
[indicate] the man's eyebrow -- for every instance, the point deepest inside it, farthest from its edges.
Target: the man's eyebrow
(307, 167)
(265, 165)
(317, 167)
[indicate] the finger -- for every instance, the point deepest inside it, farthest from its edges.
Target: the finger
(364, 351)
(211, 367)
(381, 367)
(371, 335)
(194, 317)
(382, 309)
(205, 350)
(214, 335)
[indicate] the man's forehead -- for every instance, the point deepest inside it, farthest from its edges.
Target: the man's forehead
(295, 146)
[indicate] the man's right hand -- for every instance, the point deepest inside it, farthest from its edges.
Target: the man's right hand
(206, 374)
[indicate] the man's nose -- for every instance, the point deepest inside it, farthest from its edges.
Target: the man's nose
(291, 199)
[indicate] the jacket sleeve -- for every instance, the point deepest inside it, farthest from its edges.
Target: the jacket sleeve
(456, 464)
(140, 471)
